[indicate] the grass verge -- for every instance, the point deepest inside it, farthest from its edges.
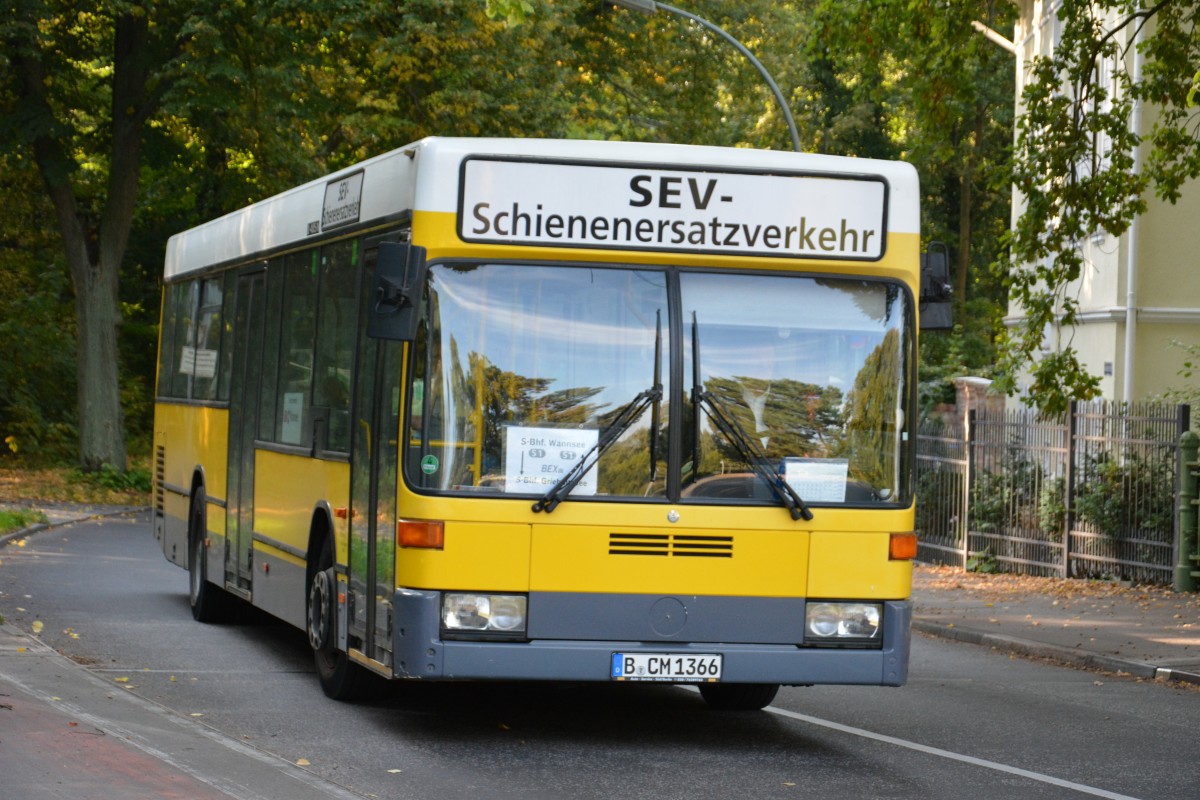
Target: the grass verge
(16, 519)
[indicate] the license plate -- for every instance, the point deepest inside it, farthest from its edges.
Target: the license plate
(671, 667)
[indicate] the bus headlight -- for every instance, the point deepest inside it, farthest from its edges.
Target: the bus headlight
(830, 623)
(464, 612)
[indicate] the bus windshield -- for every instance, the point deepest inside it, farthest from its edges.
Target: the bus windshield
(520, 371)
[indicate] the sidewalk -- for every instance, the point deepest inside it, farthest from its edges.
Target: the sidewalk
(1145, 631)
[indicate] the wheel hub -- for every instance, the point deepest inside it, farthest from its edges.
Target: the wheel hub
(320, 610)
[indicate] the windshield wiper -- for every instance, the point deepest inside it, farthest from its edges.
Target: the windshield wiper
(747, 448)
(629, 415)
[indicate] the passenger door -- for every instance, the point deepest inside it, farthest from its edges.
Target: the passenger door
(244, 389)
(374, 462)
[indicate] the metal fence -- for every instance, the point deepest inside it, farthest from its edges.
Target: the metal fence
(1092, 494)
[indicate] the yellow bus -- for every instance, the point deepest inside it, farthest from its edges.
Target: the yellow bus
(555, 411)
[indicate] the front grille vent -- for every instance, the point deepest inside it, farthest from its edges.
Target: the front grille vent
(668, 545)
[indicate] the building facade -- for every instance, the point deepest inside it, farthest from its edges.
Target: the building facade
(1139, 293)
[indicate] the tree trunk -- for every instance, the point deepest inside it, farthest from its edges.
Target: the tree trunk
(98, 315)
(94, 249)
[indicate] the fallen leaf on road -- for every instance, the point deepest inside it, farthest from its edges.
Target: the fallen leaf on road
(121, 680)
(37, 626)
(302, 762)
(395, 771)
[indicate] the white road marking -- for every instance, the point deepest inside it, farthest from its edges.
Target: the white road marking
(935, 751)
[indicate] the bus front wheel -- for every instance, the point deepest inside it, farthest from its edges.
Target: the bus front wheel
(738, 696)
(341, 678)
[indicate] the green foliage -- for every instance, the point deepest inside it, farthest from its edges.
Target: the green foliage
(16, 519)
(514, 12)
(1017, 494)
(983, 562)
(108, 477)
(232, 102)
(1188, 391)
(1116, 496)
(37, 371)
(1052, 508)
(968, 350)
(1074, 169)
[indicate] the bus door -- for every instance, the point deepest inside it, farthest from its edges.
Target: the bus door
(244, 390)
(374, 463)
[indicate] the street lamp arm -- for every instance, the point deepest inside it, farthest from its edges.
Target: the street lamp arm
(649, 7)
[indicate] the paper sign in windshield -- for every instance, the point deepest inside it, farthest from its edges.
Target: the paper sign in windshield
(538, 458)
(818, 480)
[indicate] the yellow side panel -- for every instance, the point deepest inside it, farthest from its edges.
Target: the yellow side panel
(856, 566)
(286, 490)
(193, 437)
(487, 556)
(577, 559)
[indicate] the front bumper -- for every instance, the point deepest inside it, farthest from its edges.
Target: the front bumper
(420, 652)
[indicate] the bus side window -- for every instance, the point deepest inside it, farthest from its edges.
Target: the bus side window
(167, 362)
(335, 342)
(186, 300)
(267, 406)
(296, 351)
(208, 341)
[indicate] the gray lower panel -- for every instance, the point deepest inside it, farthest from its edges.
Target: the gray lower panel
(174, 539)
(421, 653)
(670, 618)
(279, 587)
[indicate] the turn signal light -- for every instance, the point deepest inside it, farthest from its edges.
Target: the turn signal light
(430, 534)
(902, 547)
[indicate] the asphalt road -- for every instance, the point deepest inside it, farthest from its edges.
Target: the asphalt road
(970, 723)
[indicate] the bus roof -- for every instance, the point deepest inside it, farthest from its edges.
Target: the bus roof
(426, 176)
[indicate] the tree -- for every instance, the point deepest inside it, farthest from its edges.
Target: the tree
(914, 79)
(78, 88)
(1074, 166)
(97, 98)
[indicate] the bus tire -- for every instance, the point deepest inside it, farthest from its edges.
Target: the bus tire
(210, 603)
(738, 696)
(341, 678)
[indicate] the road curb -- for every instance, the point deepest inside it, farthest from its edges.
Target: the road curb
(74, 517)
(1065, 655)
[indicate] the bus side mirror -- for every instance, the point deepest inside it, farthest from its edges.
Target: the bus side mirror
(937, 295)
(394, 306)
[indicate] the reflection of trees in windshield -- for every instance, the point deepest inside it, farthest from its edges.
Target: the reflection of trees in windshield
(796, 419)
(511, 398)
(871, 408)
